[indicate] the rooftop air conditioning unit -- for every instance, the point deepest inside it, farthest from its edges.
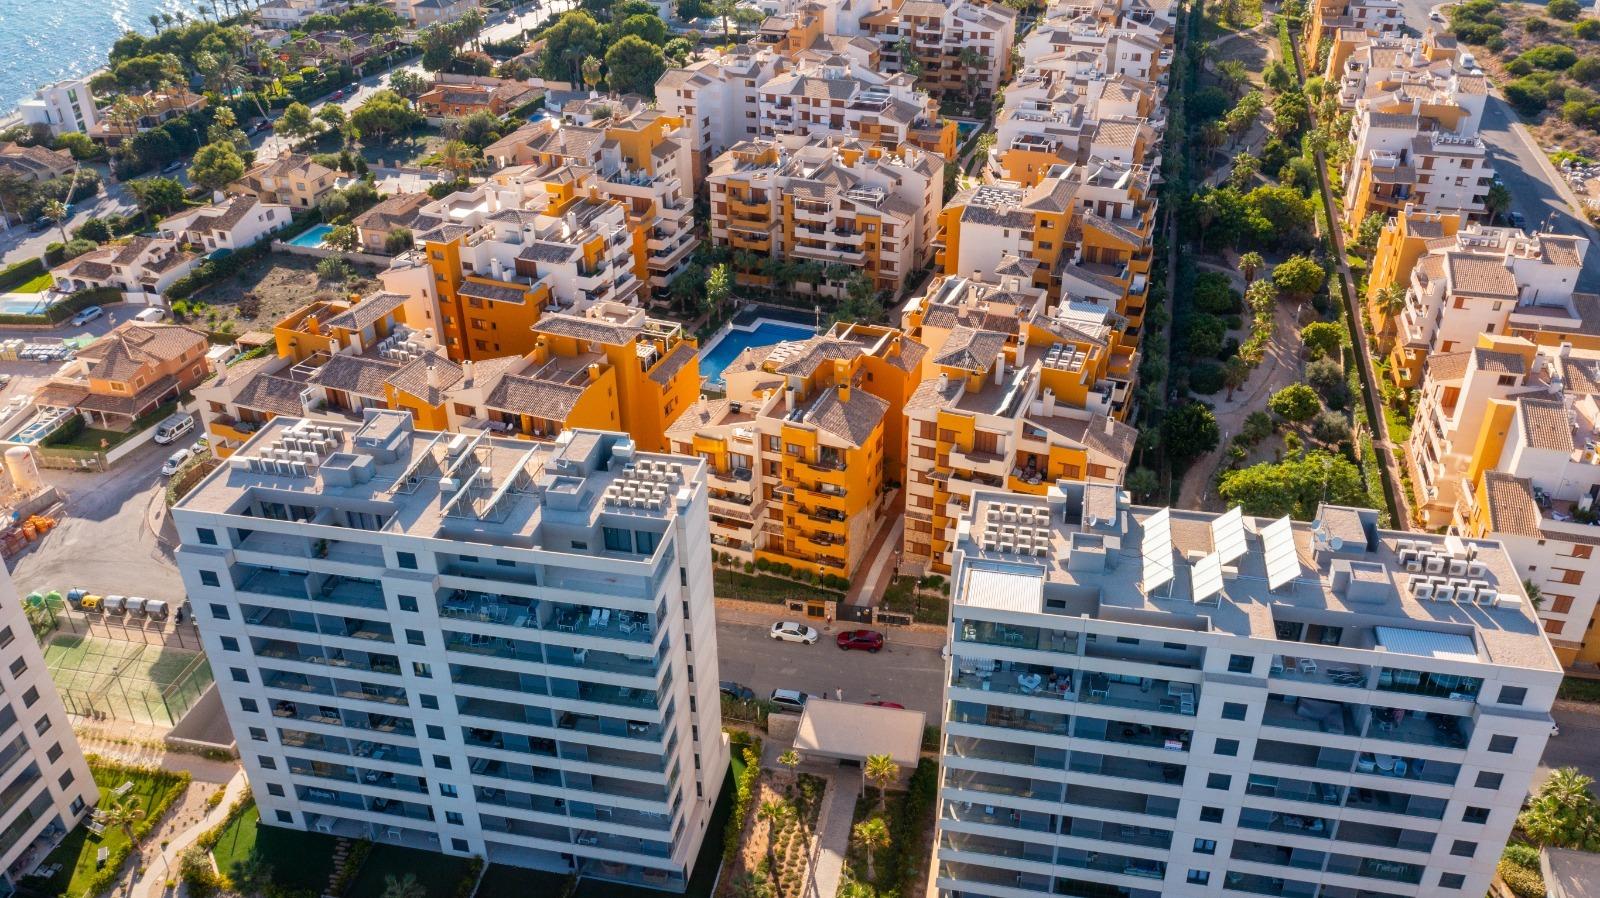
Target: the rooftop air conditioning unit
(1422, 590)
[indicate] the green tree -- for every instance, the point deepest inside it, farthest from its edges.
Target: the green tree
(156, 196)
(1370, 229)
(79, 145)
(1235, 373)
(1322, 339)
(124, 813)
(459, 158)
(398, 241)
(1327, 377)
(719, 288)
(344, 237)
(1257, 427)
(403, 887)
(384, 114)
(647, 27)
(1565, 10)
(1497, 201)
(216, 166)
(1391, 300)
(1296, 402)
(296, 123)
(1563, 813)
(1294, 486)
(57, 212)
(1189, 431)
(409, 84)
(1245, 168)
(1143, 483)
(480, 129)
(873, 836)
(573, 38)
(1298, 276)
(790, 760)
(634, 65)
(1204, 335)
(1330, 427)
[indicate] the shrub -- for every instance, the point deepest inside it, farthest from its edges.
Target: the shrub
(1550, 57)
(1213, 292)
(749, 748)
(1528, 95)
(199, 877)
(1565, 10)
(1536, 25)
(763, 565)
(21, 273)
(1586, 30)
(1205, 377)
(1521, 855)
(1327, 377)
(1522, 882)
(1330, 427)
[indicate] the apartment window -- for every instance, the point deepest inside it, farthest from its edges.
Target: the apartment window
(29, 697)
(54, 754)
(1218, 781)
(1205, 846)
(249, 705)
(441, 761)
(208, 537)
(1554, 627)
(1475, 815)
(458, 844)
(408, 603)
(1199, 877)
(1211, 815)
(43, 726)
(406, 560)
(422, 669)
(453, 818)
(1488, 780)
(435, 731)
(65, 779)
(1241, 664)
(415, 637)
(429, 702)
(229, 644)
(1512, 695)
(1463, 848)
(209, 578)
(1571, 578)
(1502, 745)
(239, 674)
(1233, 711)
(218, 612)
(285, 817)
(448, 791)
(18, 666)
(1452, 880)
(617, 539)
(1560, 604)
(258, 734)
(275, 790)
(267, 763)
(6, 637)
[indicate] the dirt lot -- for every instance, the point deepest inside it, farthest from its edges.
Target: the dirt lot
(1550, 129)
(269, 289)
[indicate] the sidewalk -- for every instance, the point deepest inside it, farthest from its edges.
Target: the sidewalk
(153, 884)
(873, 577)
(833, 831)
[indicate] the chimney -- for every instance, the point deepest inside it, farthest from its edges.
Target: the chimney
(1049, 401)
(1000, 369)
(788, 399)
(944, 382)
(434, 383)
(1111, 426)
(1565, 351)
(844, 391)
(466, 370)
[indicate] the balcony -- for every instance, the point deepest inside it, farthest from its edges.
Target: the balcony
(991, 463)
(1400, 725)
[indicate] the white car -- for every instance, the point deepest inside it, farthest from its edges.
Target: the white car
(87, 315)
(1436, 16)
(789, 631)
(175, 461)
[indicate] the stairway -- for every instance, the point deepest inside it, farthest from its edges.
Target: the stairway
(341, 857)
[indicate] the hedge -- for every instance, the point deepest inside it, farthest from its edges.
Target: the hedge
(21, 273)
(744, 789)
(1522, 882)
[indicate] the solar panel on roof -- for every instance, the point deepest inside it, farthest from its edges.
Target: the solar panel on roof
(1283, 562)
(1205, 577)
(1157, 550)
(1227, 535)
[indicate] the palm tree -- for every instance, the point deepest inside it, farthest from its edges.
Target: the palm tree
(1234, 373)
(404, 887)
(1497, 200)
(591, 72)
(775, 814)
(155, 22)
(167, 19)
(872, 835)
(791, 760)
(56, 211)
(1563, 813)
(882, 771)
(1392, 300)
(458, 157)
(124, 813)
(724, 10)
(1250, 263)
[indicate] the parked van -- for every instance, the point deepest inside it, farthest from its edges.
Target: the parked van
(151, 315)
(134, 606)
(155, 609)
(115, 604)
(790, 699)
(174, 427)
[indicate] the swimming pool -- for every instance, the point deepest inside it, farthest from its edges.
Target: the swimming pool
(26, 303)
(311, 236)
(765, 332)
(46, 422)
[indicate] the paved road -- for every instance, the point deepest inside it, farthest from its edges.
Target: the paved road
(1576, 746)
(909, 675)
(103, 543)
(17, 243)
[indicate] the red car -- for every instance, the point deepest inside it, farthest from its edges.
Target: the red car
(866, 640)
(896, 705)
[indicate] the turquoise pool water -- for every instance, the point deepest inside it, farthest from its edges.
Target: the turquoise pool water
(716, 356)
(311, 236)
(965, 129)
(24, 303)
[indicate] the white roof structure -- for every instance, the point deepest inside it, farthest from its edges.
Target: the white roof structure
(1282, 559)
(1156, 548)
(1004, 590)
(1227, 535)
(847, 731)
(1427, 644)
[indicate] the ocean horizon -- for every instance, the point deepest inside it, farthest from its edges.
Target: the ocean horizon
(42, 42)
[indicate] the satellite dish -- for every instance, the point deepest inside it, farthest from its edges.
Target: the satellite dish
(1335, 543)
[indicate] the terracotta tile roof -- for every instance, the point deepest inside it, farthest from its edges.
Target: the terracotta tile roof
(1480, 276)
(1560, 250)
(270, 393)
(700, 415)
(969, 349)
(1498, 362)
(413, 379)
(1444, 366)
(1544, 424)
(851, 420)
(1111, 437)
(131, 406)
(400, 211)
(1510, 504)
(354, 374)
(530, 396)
(371, 309)
(127, 350)
(677, 357)
(582, 328)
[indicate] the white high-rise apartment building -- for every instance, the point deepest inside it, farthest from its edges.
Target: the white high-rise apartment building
(62, 107)
(478, 646)
(1134, 710)
(45, 785)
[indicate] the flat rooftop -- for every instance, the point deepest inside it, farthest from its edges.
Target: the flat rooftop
(477, 489)
(1079, 551)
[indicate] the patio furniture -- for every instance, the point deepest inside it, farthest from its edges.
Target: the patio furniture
(101, 856)
(1029, 682)
(123, 789)
(1308, 666)
(1277, 664)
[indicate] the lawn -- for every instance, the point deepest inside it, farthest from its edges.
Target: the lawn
(730, 584)
(300, 861)
(1578, 689)
(37, 285)
(438, 874)
(153, 791)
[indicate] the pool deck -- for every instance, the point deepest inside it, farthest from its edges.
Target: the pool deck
(746, 327)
